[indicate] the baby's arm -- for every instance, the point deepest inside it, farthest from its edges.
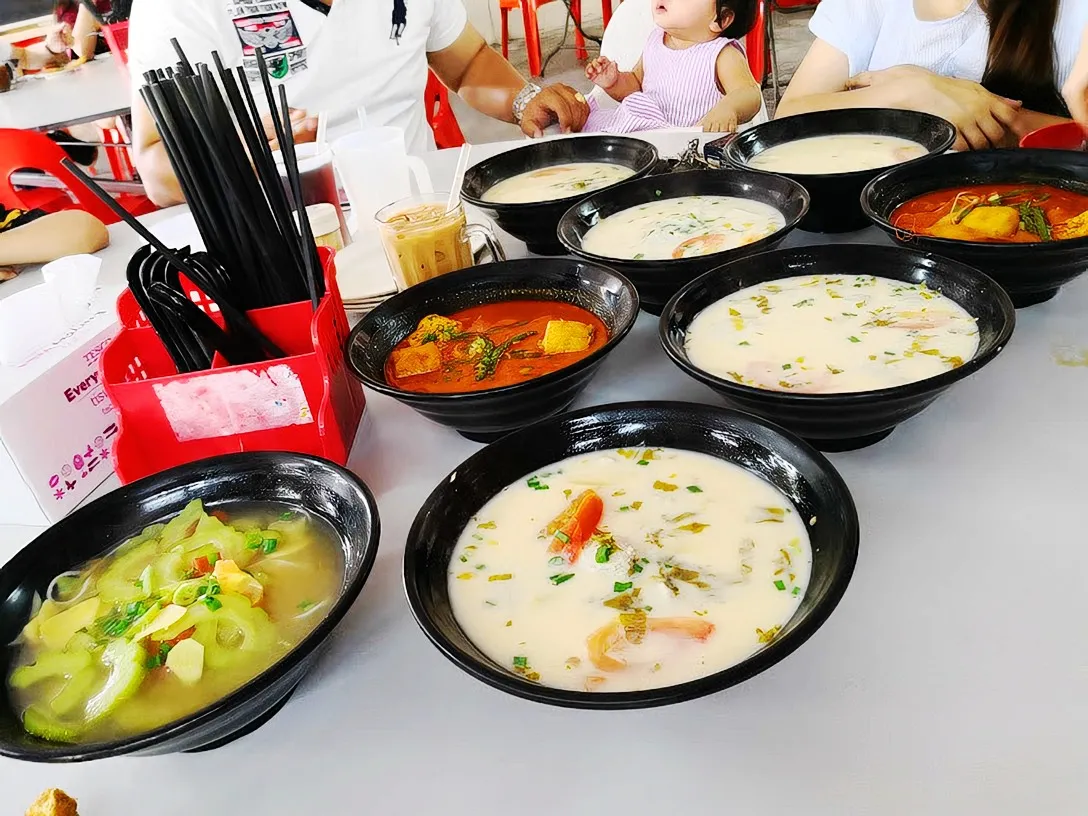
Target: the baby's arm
(618, 84)
(743, 97)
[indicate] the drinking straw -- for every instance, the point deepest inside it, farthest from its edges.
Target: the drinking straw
(322, 130)
(124, 215)
(291, 165)
(458, 177)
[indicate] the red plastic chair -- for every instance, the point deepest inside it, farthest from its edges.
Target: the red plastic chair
(447, 133)
(27, 150)
(755, 44)
(116, 35)
(532, 28)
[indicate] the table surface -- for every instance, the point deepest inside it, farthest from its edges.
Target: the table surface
(951, 678)
(95, 90)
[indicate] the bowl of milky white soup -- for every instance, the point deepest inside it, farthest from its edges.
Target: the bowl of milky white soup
(631, 555)
(834, 154)
(527, 190)
(838, 343)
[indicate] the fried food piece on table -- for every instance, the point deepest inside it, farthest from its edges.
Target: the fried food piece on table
(565, 336)
(1076, 227)
(54, 802)
(416, 360)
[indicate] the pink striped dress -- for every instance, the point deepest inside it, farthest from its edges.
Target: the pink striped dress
(679, 88)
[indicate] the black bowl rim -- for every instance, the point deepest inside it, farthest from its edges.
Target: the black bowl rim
(952, 245)
(653, 265)
(754, 664)
(176, 476)
(390, 305)
(917, 388)
(498, 206)
(945, 144)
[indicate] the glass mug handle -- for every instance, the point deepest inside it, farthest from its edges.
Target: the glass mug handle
(491, 243)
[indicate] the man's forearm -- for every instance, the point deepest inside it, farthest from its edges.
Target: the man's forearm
(158, 176)
(489, 84)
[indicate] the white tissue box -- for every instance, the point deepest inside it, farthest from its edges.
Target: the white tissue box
(57, 429)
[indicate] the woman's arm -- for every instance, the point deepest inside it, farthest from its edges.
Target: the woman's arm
(70, 232)
(821, 82)
(1075, 89)
(486, 81)
(85, 34)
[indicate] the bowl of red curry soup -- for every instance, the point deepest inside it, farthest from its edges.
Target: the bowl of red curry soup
(1020, 216)
(496, 347)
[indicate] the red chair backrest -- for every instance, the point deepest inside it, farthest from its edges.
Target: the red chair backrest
(788, 4)
(25, 149)
(117, 38)
(447, 133)
(755, 44)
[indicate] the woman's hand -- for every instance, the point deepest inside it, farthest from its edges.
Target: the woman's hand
(59, 39)
(982, 119)
(556, 104)
(603, 73)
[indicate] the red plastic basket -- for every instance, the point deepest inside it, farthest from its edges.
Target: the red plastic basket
(305, 403)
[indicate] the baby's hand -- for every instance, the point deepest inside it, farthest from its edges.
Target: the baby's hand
(721, 119)
(603, 73)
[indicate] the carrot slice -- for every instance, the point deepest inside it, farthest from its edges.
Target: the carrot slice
(572, 528)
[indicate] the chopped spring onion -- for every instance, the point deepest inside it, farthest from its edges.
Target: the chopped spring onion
(780, 586)
(561, 578)
(621, 586)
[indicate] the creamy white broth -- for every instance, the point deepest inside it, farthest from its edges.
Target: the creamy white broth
(558, 181)
(838, 153)
(821, 334)
(735, 554)
(684, 227)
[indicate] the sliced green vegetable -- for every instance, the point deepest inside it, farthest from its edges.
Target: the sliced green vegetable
(127, 664)
(182, 525)
(75, 691)
(561, 578)
(50, 664)
(59, 629)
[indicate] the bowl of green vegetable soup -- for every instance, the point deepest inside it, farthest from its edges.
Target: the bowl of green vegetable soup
(180, 612)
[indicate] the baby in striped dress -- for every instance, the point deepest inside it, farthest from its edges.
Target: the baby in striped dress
(693, 72)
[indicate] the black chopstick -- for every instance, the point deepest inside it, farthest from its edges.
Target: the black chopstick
(123, 214)
(309, 247)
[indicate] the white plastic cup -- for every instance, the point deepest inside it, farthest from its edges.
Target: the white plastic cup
(375, 169)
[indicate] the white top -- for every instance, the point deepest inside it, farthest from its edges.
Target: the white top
(5, 51)
(333, 63)
(949, 681)
(878, 34)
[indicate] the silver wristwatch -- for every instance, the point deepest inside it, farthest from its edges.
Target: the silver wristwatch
(522, 100)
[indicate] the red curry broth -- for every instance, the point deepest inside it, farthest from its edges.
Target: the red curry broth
(921, 214)
(499, 322)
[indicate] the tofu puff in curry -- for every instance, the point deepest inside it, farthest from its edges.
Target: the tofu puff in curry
(997, 213)
(493, 345)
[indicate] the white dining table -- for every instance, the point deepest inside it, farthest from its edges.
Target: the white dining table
(95, 90)
(951, 679)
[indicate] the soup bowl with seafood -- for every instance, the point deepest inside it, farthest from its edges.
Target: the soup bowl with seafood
(490, 349)
(179, 612)
(631, 555)
(1020, 216)
(664, 231)
(839, 343)
(834, 154)
(527, 190)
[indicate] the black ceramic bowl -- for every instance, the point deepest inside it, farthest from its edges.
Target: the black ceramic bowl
(1030, 273)
(486, 415)
(837, 422)
(798, 471)
(305, 482)
(657, 281)
(535, 223)
(835, 206)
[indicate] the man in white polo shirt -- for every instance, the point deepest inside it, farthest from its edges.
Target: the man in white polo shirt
(337, 56)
